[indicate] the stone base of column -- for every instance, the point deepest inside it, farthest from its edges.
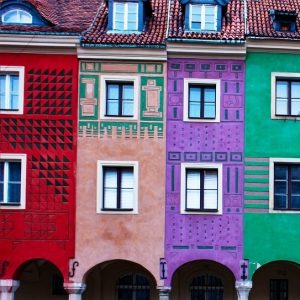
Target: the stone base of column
(164, 292)
(243, 289)
(8, 288)
(75, 290)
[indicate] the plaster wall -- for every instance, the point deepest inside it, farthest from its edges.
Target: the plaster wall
(268, 236)
(205, 236)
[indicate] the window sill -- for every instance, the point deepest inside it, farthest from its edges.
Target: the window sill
(201, 212)
(284, 211)
(196, 120)
(9, 204)
(117, 212)
(118, 118)
(114, 31)
(285, 117)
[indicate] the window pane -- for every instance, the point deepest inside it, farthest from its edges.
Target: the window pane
(119, 26)
(112, 108)
(110, 178)
(295, 202)
(196, 9)
(295, 172)
(211, 180)
(110, 198)
(193, 199)
(281, 107)
(280, 187)
(209, 110)
(193, 179)
(196, 25)
(295, 109)
(128, 92)
(281, 89)
(25, 17)
(1, 192)
(194, 110)
(113, 91)
(127, 178)
(295, 187)
(14, 173)
(210, 199)
(1, 171)
(209, 95)
(127, 108)
(280, 202)
(2, 91)
(195, 94)
(11, 17)
(295, 89)
(281, 172)
(14, 193)
(127, 198)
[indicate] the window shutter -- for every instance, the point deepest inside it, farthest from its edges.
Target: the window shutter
(110, 14)
(219, 18)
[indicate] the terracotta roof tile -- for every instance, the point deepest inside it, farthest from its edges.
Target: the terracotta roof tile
(153, 34)
(259, 20)
(232, 23)
(65, 16)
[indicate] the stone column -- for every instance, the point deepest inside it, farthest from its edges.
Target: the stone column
(243, 288)
(74, 289)
(164, 292)
(8, 288)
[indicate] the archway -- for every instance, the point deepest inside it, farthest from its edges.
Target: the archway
(203, 280)
(120, 280)
(278, 280)
(40, 279)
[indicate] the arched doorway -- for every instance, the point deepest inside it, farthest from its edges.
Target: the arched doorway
(120, 280)
(278, 280)
(203, 280)
(40, 279)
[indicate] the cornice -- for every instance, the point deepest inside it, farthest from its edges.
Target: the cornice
(272, 45)
(139, 54)
(52, 44)
(206, 50)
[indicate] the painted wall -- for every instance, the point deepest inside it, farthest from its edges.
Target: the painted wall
(133, 237)
(265, 138)
(46, 132)
(202, 236)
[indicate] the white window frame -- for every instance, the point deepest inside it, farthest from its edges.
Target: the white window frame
(219, 168)
(203, 21)
(17, 10)
(6, 70)
(136, 96)
(187, 82)
(272, 162)
(22, 158)
(125, 4)
(274, 76)
(103, 163)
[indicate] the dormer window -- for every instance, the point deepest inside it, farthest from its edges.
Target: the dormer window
(17, 16)
(203, 17)
(125, 16)
(284, 21)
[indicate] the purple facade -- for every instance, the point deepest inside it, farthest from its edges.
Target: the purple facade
(216, 237)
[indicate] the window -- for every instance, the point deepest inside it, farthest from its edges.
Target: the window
(119, 99)
(206, 287)
(12, 180)
(133, 287)
(286, 186)
(120, 96)
(201, 188)
(125, 16)
(11, 89)
(284, 21)
(17, 16)
(117, 187)
(278, 289)
(203, 17)
(201, 100)
(285, 99)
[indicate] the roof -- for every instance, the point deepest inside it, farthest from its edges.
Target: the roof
(259, 21)
(66, 16)
(232, 28)
(153, 35)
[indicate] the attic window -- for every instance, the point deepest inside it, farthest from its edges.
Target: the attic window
(284, 21)
(16, 16)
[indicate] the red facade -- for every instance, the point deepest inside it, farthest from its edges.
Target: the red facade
(46, 133)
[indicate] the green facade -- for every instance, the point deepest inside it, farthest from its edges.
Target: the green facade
(268, 236)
